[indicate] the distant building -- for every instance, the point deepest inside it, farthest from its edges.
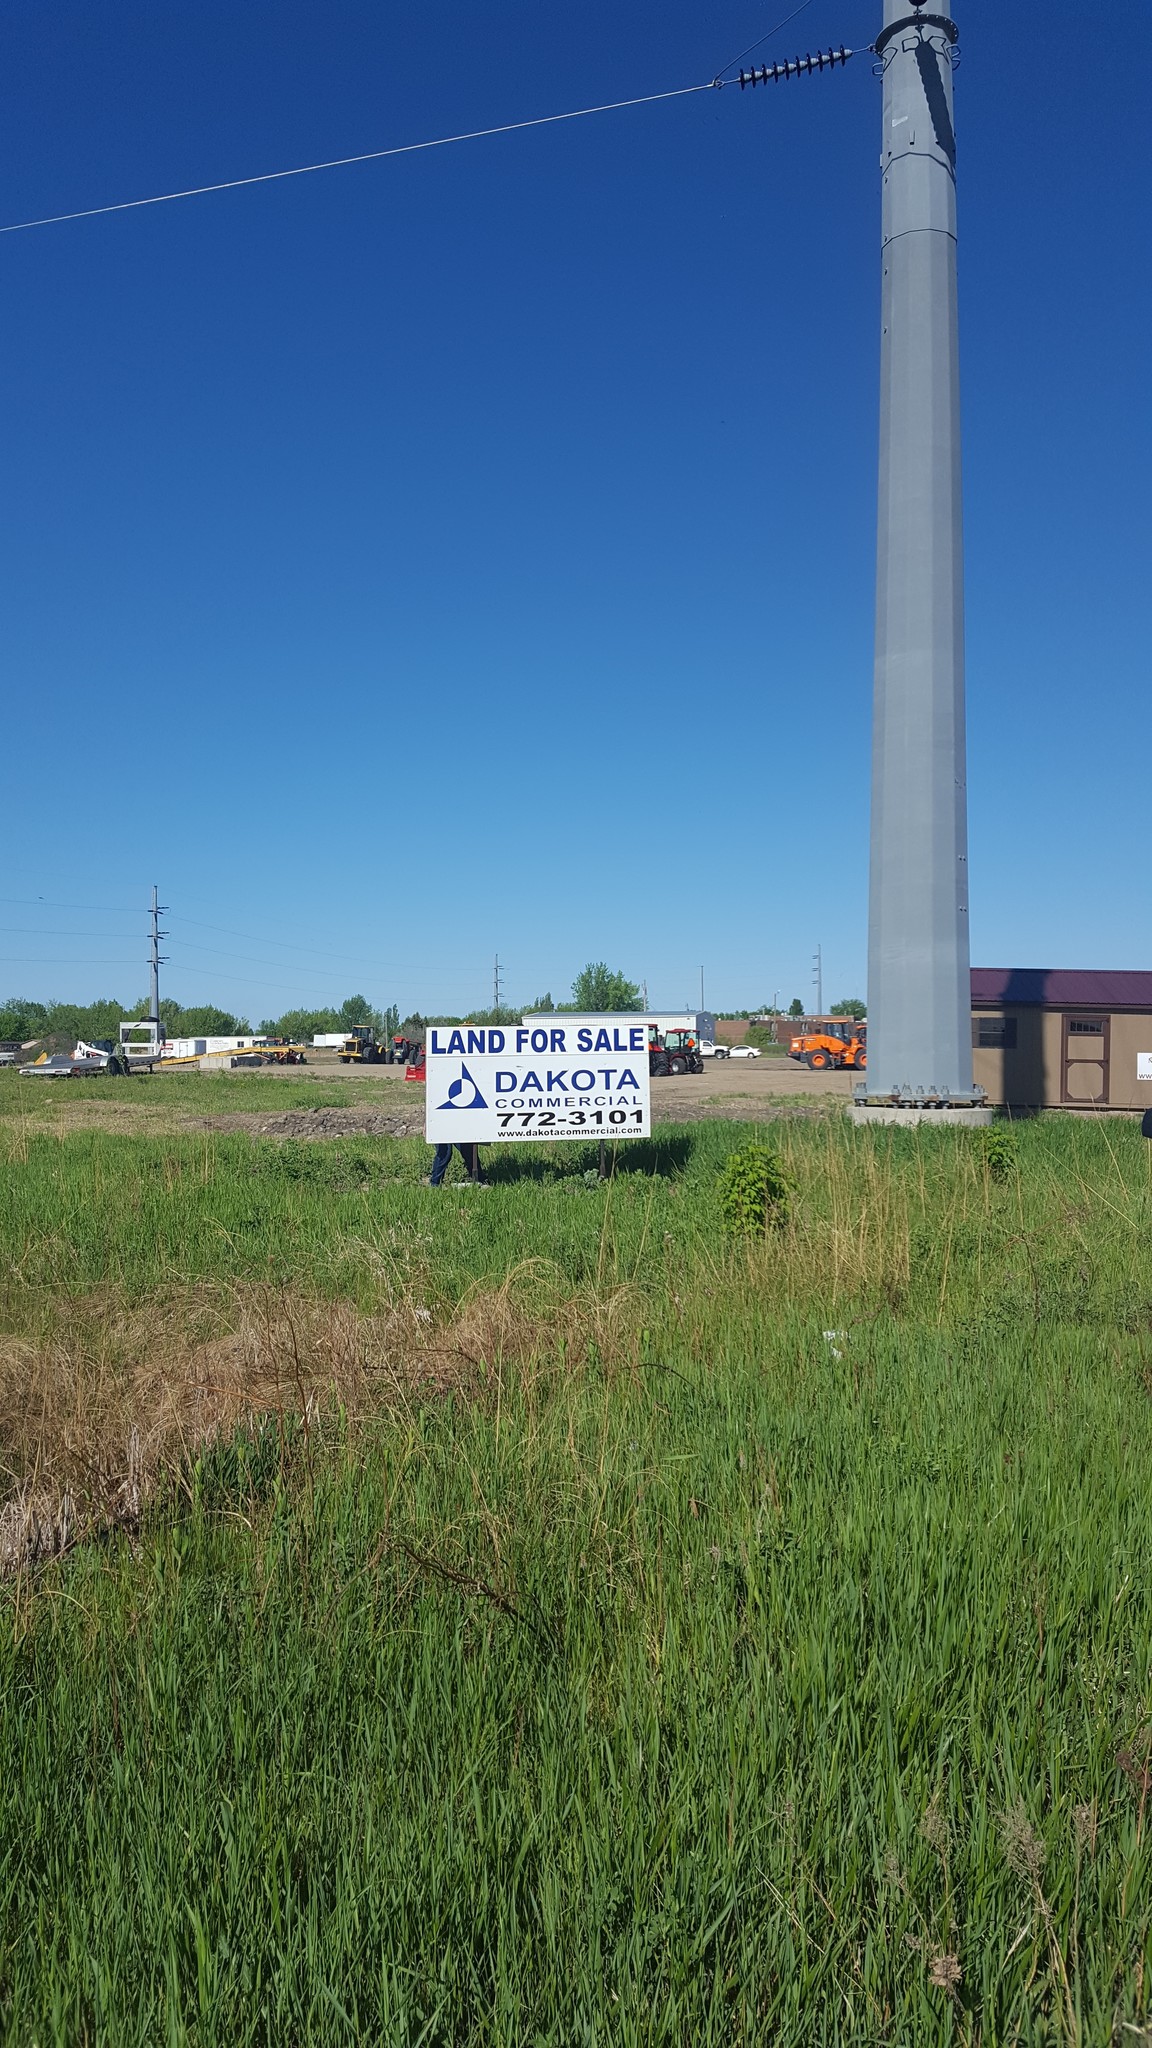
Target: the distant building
(1062, 1038)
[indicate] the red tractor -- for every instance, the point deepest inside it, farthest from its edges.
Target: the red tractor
(674, 1052)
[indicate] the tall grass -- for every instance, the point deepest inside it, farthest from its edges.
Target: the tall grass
(739, 1645)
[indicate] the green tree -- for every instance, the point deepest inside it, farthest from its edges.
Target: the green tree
(499, 1015)
(69, 1021)
(205, 1022)
(356, 1010)
(795, 1007)
(544, 1003)
(598, 987)
(22, 1018)
(850, 1007)
(301, 1025)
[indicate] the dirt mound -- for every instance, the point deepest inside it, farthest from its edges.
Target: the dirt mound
(319, 1123)
(380, 1123)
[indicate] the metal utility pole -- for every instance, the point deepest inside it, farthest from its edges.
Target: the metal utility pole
(701, 988)
(919, 984)
(496, 984)
(818, 978)
(155, 960)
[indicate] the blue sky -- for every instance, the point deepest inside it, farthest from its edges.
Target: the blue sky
(474, 551)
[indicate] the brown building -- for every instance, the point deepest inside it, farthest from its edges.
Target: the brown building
(1055, 1038)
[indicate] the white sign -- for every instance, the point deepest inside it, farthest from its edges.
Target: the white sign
(536, 1081)
(1144, 1066)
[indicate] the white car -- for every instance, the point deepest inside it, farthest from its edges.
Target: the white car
(743, 1052)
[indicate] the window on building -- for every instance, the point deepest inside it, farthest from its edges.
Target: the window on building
(1085, 1027)
(997, 1034)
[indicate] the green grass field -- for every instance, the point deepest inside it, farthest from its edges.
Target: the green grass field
(533, 1616)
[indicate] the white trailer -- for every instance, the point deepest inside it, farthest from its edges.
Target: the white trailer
(701, 1023)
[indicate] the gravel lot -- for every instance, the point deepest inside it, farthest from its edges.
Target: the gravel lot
(381, 1103)
(752, 1090)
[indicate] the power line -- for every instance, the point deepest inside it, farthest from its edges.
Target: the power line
(766, 38)
(261, 939)
(369, 156)
(358, 965)
(25, 931)
(40, 960)
(349, 963)
(40, 903)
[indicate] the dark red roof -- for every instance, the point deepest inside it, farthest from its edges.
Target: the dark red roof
(1087, 988)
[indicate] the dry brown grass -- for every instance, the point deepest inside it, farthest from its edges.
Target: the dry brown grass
(117, 1400)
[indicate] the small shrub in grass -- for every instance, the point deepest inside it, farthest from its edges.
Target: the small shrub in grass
(999, 1146)
(754, 1192)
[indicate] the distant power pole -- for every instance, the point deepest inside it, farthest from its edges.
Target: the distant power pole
(496, 984)
(818, 978)
(155, 960)
(644, 993)
(701, 988)
(919, 980)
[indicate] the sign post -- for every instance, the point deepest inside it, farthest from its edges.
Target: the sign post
(538, 1082)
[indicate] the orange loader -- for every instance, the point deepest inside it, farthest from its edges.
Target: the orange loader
(823, 1049)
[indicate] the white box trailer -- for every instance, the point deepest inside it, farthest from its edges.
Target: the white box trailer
(701, 1023)
(329, 1041)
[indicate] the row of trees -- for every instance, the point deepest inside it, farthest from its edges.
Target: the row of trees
(596, 987)
(851, 1006)
(28, 1021)
(303, 1025)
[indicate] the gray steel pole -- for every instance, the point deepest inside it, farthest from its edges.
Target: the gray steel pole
(919, 989)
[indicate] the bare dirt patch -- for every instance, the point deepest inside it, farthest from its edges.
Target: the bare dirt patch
(752, 1091)
(317, 1123)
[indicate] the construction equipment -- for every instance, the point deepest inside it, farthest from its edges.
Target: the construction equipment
(823, 1049)
(362, 1045)
(281, 1052)
(674, 1052)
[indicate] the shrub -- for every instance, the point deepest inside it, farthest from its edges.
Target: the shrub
(998, 1143)
(754, 1192)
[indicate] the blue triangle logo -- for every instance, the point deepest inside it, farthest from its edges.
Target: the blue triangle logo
(456, 1095)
